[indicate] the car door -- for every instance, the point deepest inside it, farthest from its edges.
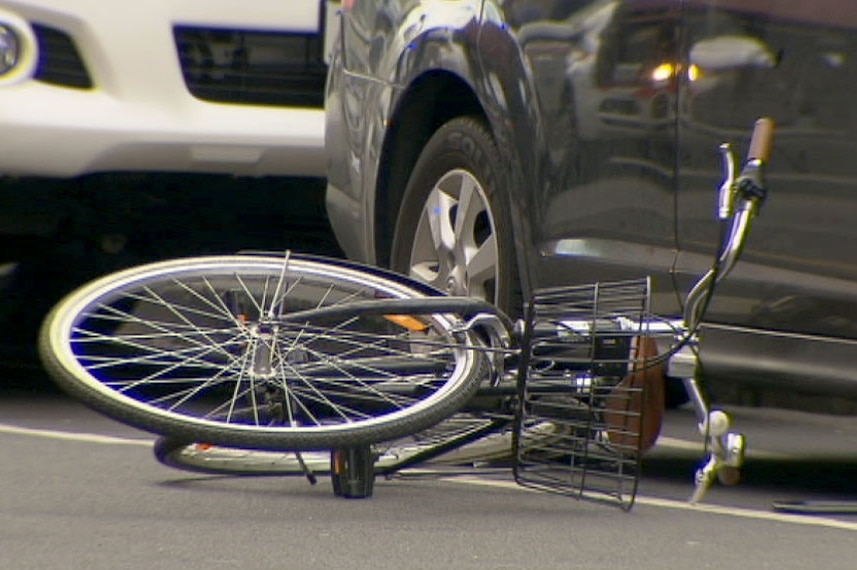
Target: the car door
(797, 63)
(603, 111)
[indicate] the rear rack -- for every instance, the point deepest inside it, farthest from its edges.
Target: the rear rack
(580, 349)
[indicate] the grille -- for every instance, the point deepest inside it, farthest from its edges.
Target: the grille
(59, 61)
(252, 67)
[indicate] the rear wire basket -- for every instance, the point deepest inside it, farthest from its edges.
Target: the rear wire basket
(579, 347)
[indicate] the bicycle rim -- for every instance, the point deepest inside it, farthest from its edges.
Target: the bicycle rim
(391, 456)
(219, 460)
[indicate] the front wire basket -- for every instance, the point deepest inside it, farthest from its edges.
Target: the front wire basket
(580, 363)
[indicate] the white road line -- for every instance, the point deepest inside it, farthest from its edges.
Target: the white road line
(749, 513)
(663, 442)
(685, 506)
(74, 436)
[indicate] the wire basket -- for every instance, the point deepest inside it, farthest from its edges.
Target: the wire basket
(581, 358)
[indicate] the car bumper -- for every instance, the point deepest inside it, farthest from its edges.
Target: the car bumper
(138, 113)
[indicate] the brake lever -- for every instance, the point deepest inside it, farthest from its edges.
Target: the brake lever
(726, 198)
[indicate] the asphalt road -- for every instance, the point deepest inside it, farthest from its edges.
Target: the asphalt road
(81, 491)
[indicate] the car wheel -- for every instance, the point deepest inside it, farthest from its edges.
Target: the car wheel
(454, 227)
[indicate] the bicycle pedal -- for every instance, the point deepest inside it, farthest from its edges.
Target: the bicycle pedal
(703, 479)
(735, 450)
(729, 476)
(724, 464)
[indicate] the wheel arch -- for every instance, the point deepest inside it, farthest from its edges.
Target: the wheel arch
(431, 100)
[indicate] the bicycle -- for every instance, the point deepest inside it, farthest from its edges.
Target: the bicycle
(372, 371)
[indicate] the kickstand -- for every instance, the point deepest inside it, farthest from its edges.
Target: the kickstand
(305, 468)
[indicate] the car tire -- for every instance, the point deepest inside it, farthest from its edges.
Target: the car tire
(454, 227)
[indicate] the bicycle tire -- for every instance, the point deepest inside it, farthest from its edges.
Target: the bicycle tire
(193, 348)
(217, 460)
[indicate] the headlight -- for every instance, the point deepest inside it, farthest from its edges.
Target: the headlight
(18, 49)
(10, 49)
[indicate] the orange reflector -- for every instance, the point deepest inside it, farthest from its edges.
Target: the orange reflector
(408, 322)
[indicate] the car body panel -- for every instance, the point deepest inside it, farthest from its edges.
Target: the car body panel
(789, 309)
(609, 114)
(800, 268)
(601, 132)
(138, 114)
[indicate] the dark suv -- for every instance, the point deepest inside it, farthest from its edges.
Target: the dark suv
(491, 147)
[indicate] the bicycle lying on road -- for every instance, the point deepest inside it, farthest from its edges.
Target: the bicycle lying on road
(289, 363)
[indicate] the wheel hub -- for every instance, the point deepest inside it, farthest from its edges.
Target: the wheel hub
(454, 245)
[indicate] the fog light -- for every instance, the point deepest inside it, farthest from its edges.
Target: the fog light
(10, 49)
(19, 49)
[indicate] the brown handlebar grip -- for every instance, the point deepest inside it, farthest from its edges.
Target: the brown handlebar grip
(762, 141)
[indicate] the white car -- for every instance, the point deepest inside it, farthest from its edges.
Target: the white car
(215, 86)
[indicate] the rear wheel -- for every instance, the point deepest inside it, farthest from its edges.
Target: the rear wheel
(219, 460)
(481, 440)
(203, 349)
(490, 441)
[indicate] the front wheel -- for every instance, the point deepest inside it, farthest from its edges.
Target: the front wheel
(203, 349)
(454, 227)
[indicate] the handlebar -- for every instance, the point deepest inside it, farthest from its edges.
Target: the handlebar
(762, 140)
(740, 201)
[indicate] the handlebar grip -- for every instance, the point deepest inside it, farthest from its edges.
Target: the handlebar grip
(762, 140)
